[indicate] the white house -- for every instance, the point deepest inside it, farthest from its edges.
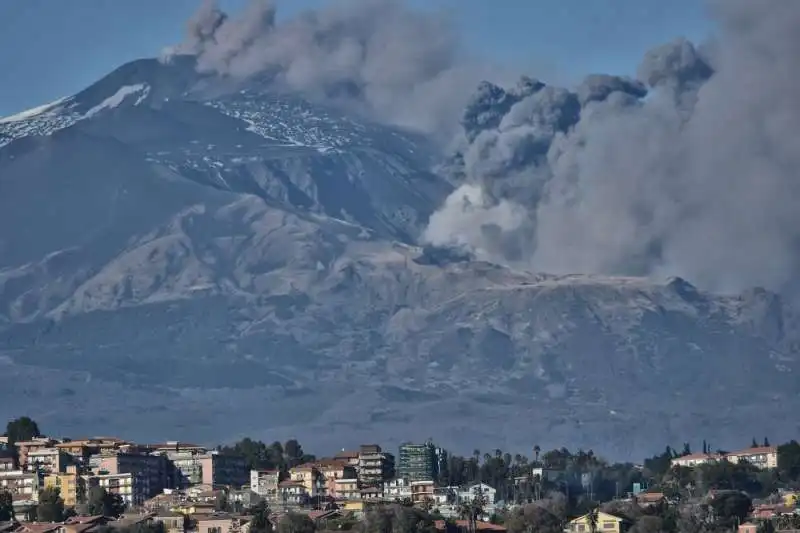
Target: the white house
(479, 489)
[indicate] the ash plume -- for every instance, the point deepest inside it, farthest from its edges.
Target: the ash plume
(690, 170)
(378, 57)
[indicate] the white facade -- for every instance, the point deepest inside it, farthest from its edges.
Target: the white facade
(397, 489)
(479, 489)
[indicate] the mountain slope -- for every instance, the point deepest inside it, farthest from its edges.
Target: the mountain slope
(210, 263)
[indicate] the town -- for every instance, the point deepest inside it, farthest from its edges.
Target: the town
(105, 484)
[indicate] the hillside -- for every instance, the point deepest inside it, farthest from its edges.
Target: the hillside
(174, 257)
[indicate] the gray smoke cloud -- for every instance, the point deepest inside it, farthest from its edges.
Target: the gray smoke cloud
(376, 56)
(690, 170)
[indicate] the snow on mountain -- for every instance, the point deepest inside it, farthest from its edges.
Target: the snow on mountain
(189, 251)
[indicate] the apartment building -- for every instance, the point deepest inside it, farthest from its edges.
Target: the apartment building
(265, 483)
(149, 471)
(417, 462)
(6, 464)
(421, 491)
(187, 469)
(132, 488)
(223, 470)
(48, 460)
(25, 485)
(347, 489)
(292, 493)
(349, 457)
(81, 449)
(397, 489)
(27, 446)
(310, 477)
(374, 465)
(70, 484)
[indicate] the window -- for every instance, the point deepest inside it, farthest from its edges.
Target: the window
(609, 525)
(581, 527)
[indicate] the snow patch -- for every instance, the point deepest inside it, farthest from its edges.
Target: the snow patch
(30, 113)
(118, 97)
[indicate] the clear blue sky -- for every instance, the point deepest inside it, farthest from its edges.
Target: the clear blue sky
(53, 48)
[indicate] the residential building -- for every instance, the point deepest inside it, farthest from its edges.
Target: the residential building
(173, 522)
(310, 477)
(695, 459)
(81, 449)
(760, 457)
(649, 499)
(374, 465)
(6, 464)
(479, 490)
(224, 524)
(292, 493)
(371, 493)
(187, 469)
(347, 489)
(242, 499)
(131, 487)
(607, 523)
(71, 486)
(21, 484)
(223, 470)
(48, 460)
(333, 469)
(27, 446)
(265, 483)
(349, 457)
(421, 491)
(417, 462)
(443, 496)
(150, 471)
(397, 489)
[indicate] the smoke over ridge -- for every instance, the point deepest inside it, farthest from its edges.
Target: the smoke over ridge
(689, 169)
(375, 56)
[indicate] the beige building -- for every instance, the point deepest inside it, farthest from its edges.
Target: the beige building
(761, 457)
(421, 491)
(695, 459)
(224, 524)
(23, 485)
(347, 489)
(128, 486)
(70, 485)
(265, 483)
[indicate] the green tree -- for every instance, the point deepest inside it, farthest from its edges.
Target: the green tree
(731, 509)
(593, 517)
(296, 523)
(397, 519)
(6, 506)
(51, 506)
(533, 517)
(100, 502)
(260, 522)
(19, 430)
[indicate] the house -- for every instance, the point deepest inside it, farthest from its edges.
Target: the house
(607, 523)
(347, 489)
(223, 524)
(648, 499)
(694, 459)
(421, 491)
(173, 522)
(333, 469)
(760, 457)
(479, 490)
(265, 483)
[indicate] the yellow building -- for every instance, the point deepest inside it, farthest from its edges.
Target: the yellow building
(309, 476)
(606, 523)
(71, 486)
(790, 499)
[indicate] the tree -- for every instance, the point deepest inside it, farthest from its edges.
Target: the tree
(260, 522)
(592, 517)
(766, 442)
(533, 517)
(296, 523)
(754, 444)
(731, 509)
(100, 502)
(397, 519)
(20, 430)
(6, 506)
(51, 506)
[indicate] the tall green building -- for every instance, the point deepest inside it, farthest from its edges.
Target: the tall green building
(418, 462)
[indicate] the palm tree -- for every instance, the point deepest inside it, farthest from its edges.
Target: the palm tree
(592, 518)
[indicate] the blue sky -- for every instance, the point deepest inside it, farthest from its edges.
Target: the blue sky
(53, 48)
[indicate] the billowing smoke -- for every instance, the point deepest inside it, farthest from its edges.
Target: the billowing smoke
(375, 56)
(691, 170)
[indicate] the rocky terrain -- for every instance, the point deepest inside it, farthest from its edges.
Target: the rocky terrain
(208, 264)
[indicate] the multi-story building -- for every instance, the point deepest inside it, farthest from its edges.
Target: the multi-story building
(374, 465)
(292, 493)
(185, 458)
(132, 488)
(310, 477)
(397, 489)
(421, 491)
(150, 471)
(223, 470)
(25, 485)
(347, 489)
(265, 483)
(71, 486)
(760, 457)
(333, 469)
(27, 446)
(48, 460)
(81, 449)
(6, 464)
(695, 459)
(348, 457)
(417, 462)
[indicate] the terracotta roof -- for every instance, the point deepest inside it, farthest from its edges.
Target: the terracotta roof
(317, 515)
(756, 451)
(650, 496)
(480, 526)
(83, 519)
(38, 527)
